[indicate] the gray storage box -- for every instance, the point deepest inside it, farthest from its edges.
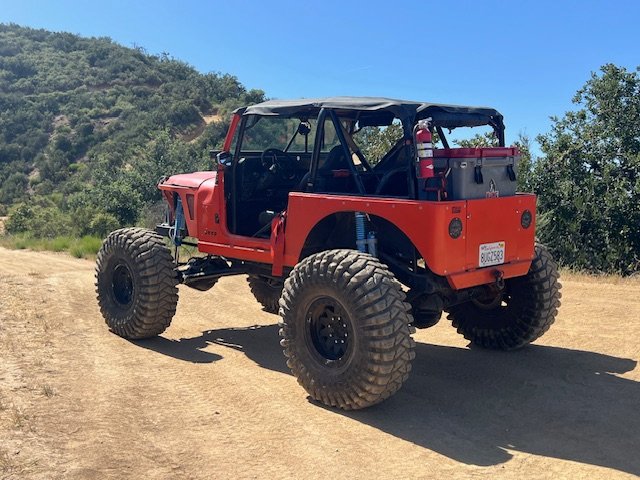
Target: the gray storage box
(473, 173)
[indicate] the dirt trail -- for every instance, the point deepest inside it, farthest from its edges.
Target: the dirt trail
(212, 397)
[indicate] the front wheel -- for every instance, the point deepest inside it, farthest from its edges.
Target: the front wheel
(136, 283)
(345, 329)
(523, 312)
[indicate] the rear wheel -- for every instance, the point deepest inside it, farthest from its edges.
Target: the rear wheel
(267, 291)
(520, 314)
(136, 283)
(345, 329)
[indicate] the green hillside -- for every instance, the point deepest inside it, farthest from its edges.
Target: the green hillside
(85, 122)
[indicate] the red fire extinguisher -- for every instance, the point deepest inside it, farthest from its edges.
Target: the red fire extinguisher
(424, 149)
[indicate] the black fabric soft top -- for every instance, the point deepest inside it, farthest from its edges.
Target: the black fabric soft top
(445, 116)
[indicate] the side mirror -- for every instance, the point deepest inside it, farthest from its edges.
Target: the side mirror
(224, 159)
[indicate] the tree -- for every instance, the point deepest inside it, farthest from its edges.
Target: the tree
(487, 139)
(375, 142)
(525, 166)
(588, 180)
(13, 187)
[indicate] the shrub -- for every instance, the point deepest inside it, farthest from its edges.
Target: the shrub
(40, 221)
(19, 219)
(14, 187)
(103, 224)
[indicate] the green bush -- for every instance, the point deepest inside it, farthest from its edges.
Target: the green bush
(19, 220)
(40, 221)
(13, 188)
(82, 216)
(103, 224)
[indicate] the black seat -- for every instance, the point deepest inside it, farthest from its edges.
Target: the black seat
(328, 179)
(335, 161)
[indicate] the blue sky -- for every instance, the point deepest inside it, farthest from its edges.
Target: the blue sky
(525, 59)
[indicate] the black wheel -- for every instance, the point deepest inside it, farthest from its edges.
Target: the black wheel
(426, 309)
(520, 314)
(267, 291)
(136, 283)
(345, 329)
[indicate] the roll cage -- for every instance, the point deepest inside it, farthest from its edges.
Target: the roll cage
(347, 112)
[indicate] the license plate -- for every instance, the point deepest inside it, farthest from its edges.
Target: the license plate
(491, 254)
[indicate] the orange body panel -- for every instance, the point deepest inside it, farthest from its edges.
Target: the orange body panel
(209, 222)
(498, 219)
(425, 223)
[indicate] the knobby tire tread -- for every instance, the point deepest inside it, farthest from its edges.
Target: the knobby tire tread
(538, 294)
(384, 349)
(155, 283)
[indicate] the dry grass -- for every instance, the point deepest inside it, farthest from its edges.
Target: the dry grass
(19, 419)
(584, 277)
(48, 325)
(48, 391)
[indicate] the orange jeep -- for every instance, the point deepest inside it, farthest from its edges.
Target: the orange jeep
(352, 252)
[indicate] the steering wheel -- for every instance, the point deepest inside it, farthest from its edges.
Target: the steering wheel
(277, 162)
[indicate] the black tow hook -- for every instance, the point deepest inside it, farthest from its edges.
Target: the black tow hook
(499, 274)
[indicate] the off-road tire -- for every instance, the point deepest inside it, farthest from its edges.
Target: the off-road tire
(267, 292)
(532, 302)
(136, 283)
(422, 318)
(369, 303)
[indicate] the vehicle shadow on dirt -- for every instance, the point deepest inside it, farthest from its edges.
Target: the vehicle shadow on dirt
(186, 349)
(474, 405)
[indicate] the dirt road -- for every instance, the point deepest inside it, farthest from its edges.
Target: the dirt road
(212, 398)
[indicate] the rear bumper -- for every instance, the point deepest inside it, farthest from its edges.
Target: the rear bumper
(483, 276)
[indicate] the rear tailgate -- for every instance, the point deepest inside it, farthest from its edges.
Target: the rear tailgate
(496, 240)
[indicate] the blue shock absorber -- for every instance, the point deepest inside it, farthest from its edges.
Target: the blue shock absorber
(372, 244)
(361, 239)
(175, 233)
